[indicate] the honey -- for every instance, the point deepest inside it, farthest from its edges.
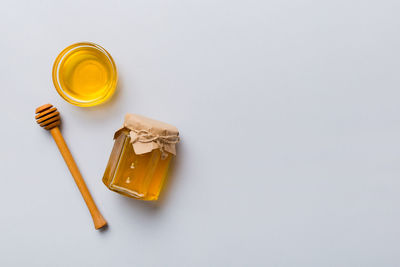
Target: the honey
(138, 168)
(139, 176)
(84, 74)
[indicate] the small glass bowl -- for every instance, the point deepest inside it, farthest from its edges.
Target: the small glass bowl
(102, 73)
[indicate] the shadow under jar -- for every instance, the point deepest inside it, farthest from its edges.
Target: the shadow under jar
(140, 158)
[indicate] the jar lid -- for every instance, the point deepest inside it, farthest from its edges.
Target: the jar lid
(147, 134)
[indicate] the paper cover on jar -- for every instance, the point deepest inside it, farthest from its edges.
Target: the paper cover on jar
(147, 134)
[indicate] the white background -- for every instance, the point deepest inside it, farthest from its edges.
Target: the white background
(289, 117)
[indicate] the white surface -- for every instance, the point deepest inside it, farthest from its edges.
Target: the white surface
(289, 117)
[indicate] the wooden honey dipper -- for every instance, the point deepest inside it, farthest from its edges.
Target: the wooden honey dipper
(49, 118)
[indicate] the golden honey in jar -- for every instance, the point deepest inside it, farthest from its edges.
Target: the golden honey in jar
(139, 161)
(84, 74)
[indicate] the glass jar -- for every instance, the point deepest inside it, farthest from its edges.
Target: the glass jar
(140, 158)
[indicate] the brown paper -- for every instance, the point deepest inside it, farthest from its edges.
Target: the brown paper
(148, 134)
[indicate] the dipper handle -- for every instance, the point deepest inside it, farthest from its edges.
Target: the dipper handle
(98, 219)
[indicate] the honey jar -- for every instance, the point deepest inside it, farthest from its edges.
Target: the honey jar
(139, 161)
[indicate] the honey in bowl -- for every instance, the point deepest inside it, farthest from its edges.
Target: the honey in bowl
(85, 74)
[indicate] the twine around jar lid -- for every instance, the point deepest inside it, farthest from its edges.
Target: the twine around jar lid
(147, 134)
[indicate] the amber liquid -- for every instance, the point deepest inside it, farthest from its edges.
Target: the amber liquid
(86, 75)
(138, 176)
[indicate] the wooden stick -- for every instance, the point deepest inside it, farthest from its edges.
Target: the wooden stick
(49, 118)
